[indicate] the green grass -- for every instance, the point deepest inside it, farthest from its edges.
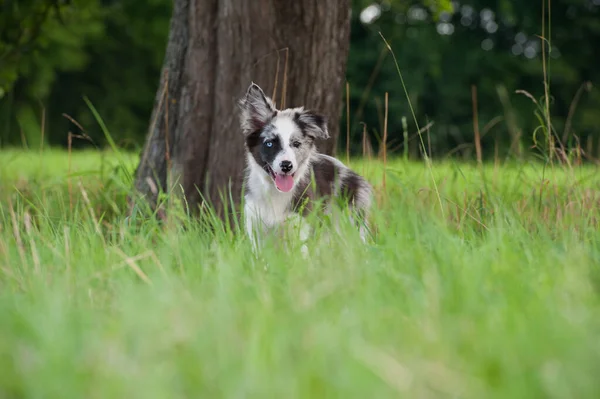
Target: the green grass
(494, 295)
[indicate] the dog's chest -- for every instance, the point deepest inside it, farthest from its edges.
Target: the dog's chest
(269, 213)
(266, 204)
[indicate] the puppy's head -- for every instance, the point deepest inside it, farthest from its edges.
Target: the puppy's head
(279, 141)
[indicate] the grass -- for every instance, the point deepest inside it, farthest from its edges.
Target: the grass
(496, 296)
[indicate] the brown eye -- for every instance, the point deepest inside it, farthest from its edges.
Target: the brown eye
(296, 144)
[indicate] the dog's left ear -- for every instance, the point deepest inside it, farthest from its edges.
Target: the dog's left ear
(312, 124)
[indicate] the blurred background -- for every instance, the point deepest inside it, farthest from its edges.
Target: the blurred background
(54, 56)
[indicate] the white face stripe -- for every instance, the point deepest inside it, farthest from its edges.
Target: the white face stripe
(285, 128)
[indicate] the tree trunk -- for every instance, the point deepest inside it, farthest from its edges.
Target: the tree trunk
(295, 50)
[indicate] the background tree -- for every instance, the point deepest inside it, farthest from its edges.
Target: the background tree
(295, 50)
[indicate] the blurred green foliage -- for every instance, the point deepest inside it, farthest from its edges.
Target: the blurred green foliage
(110, 51)
(491, 44)
(53, 53)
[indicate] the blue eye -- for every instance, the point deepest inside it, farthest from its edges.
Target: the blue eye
(269, 144)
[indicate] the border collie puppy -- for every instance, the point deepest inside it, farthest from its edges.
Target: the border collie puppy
(285, 174)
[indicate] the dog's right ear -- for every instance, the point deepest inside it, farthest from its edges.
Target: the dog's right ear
(257, 109)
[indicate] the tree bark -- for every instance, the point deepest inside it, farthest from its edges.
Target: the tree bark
(295, 50)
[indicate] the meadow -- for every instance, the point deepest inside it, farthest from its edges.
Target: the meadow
(480, 282)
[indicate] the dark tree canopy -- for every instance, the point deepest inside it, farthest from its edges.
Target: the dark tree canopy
(112, 51)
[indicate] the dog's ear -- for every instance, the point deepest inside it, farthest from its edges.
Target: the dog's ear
(312, 124)
(256, 109)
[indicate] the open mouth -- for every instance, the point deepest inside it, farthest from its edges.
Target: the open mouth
(282, 182)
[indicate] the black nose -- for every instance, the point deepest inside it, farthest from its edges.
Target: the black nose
(285, 166)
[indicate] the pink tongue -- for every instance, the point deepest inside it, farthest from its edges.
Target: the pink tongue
(284, 182)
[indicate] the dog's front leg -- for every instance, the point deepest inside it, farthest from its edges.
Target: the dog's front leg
(253, 226)
(301, 229)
